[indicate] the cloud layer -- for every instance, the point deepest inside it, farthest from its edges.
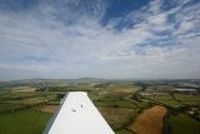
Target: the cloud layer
(80, 38)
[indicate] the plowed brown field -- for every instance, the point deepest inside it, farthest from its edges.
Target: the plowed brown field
(150, 121)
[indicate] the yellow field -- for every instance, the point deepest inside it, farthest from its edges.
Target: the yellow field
(49, 108)
(23, 89)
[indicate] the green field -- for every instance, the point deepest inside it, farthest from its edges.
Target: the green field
(183, 124)
(27, 121)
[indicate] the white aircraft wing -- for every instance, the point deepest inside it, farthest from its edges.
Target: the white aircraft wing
(78, 115)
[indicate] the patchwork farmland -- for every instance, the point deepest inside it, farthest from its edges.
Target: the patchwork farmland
(124, 104)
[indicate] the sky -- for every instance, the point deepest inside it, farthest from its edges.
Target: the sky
(113, 39)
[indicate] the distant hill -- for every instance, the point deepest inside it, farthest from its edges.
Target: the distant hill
(50, 82)
(90, 79)
(54, 82)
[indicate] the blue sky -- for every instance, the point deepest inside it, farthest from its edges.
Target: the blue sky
(120, 39)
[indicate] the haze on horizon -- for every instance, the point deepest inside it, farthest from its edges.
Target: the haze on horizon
(122, 39)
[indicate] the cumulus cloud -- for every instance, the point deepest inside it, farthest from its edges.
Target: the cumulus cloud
(67, 39)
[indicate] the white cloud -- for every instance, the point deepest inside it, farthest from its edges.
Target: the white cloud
(40, 41)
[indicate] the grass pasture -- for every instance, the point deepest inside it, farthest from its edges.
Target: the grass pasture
(188, 99)
(118, 118)
(9, 107)
(27, 121)
(183, 124)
